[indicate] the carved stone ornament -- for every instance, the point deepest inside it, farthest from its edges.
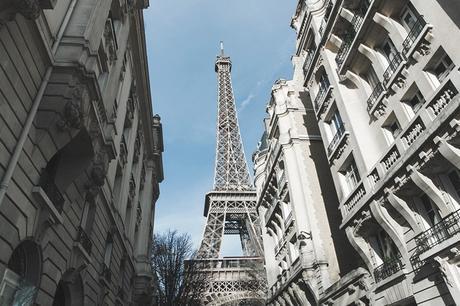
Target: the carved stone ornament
(72, 115)
(98, 172)
(109, 37)
(30, 9)
(380, 110)
(359, 221)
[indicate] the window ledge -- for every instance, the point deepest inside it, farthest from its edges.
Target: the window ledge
(41, 196)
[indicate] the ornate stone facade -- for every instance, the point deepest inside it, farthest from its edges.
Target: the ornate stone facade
(393, 70)
(297, 202)
(80, 156)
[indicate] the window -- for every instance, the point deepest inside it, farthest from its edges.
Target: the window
(443, 67)
(393, 129)
(336, 120)
(416, 101)
(324, 82)
(389, 50)
(409, 17)
(387, 250)
(351, 176)
(336, 123)
(372, 77)
(431, 212)
(108, 250)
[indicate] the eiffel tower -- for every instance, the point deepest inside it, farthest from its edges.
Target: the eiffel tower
(230, 209)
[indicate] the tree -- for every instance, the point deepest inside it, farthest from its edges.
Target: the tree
(179, 281)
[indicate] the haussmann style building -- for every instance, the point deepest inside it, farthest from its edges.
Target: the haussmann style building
(80, 153)
(374, 100)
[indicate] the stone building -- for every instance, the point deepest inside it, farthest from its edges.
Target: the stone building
(80, 153)
(383, 80)
(297, 203)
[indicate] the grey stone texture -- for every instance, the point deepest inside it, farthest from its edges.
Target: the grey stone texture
(80, 153)
(382, 80)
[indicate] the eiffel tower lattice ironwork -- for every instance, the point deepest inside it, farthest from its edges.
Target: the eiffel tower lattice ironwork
(230, 209)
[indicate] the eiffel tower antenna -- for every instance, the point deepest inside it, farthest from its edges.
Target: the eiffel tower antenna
(230, 208)
(231, 170)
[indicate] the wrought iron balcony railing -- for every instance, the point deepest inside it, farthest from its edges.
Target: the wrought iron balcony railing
(288, 220)
(393, 66)
(323, 88)
(336, 139)
(53, 193)
(327, 14)
(356, 22)
(344, 47)
(414, 33)
(84, 240)
(376, 93)
(388, 268)
(440, 232)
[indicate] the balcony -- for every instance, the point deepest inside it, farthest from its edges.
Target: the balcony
(388, 268)
(390, 158)
(344, 47)
(53, 193)
(392, 67)
(324, 91)
(308, 61)
(271, 209)
(281, 184)
(84, 240)
(357, 21)
(288, 220)
(280, 245)
(353, 199)
(414, 34)
(375, 96)
(442, 98)
(448, 227)
(336, 139)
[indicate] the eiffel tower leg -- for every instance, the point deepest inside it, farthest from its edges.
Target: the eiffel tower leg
(213, 233)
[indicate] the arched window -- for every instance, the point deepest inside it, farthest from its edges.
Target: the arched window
(22, 276)
(65, 166)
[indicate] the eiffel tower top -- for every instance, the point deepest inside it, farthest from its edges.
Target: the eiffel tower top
(231, 171)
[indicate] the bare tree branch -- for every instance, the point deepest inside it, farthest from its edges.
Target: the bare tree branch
(179, 280)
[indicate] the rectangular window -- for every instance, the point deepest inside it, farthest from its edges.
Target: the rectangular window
(324, 81)
(372, 78)
(416, 101)
(389, 50)
(443, 67)
(336, 123)
(392, 128)
(430, 210)
(351, 175)
(409, 17)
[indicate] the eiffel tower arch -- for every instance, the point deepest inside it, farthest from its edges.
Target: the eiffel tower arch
(230, 209)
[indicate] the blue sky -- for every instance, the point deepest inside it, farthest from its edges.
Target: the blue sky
(182, 42)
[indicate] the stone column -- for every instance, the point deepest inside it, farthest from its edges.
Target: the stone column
(142, 261)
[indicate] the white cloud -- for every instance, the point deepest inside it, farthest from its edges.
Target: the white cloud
(246, 101)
